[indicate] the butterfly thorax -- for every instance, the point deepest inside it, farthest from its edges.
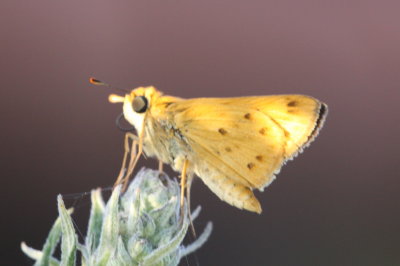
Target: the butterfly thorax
(161, 137)
(164, 142)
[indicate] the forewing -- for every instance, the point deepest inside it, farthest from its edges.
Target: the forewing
(245, 144)
(299, 116)
(249, 137)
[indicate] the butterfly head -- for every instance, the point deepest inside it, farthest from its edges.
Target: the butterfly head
(136, 104)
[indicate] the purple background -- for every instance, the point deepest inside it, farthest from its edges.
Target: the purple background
(336, 204)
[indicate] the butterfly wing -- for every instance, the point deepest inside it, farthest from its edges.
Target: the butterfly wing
(299, 116)
(240, 143)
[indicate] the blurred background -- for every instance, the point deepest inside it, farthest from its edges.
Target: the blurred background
(335, 204)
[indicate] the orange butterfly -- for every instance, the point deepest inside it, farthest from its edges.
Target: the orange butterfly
(234, 145)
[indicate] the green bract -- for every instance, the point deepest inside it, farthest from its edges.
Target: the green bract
(140, 227)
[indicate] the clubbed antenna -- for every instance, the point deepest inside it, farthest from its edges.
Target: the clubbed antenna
(97, 82)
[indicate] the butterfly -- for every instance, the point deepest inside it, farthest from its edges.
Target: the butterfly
(234, 145)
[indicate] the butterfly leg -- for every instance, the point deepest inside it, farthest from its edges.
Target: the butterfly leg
(188, 186)
(160, 167)
(134, 159)
(127, 150)
(183, 181)
(186, 182)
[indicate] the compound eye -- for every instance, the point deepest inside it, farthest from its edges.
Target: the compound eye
(139, 104)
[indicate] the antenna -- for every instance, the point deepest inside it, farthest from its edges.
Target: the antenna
(97, 82)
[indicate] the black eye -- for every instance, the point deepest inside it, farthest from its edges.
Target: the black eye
(139, 104)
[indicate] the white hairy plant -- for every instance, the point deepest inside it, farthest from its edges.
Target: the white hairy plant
(142, 226)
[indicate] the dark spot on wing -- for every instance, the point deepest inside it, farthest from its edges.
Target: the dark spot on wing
(259, 158)
(263, 131)
(247, 116)
(250, 166)
(292, 103)
(228, 149)
(222, 131)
